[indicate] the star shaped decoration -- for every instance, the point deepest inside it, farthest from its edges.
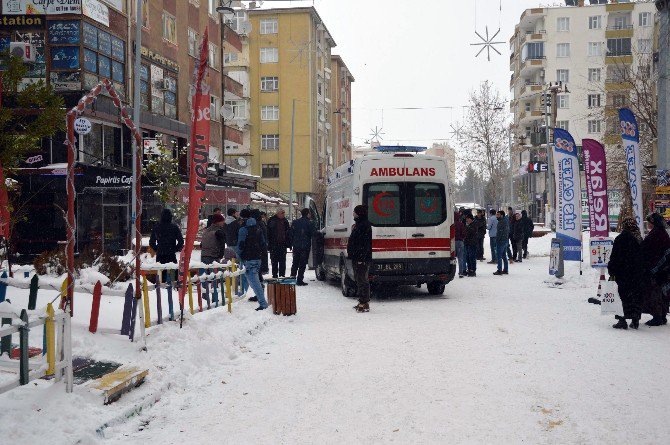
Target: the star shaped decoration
(377, 134)
(488, 43)
(456, 130)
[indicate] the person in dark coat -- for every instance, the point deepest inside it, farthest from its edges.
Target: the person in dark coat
(626, 268)
(260, 222)
(302, 232)
(210, 218)
(359, 251)
(166, 239)
(459, 235)
(279, 239)
(502, 242)
(528, 228)
(517, 238)
(213, 243)
(480, 220)
(250, 244)
(510, 223)
(656, 256)
(471, 245)
(232, 228)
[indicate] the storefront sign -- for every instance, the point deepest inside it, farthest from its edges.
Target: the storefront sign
(96, 10)
(65, 58)
(82, 126)
(151, 147)
(159, 59)
(49, 7)
(595, 170)
(34, 159)
(631, 140)
(113, 180)
(21, 21)
(64, 32)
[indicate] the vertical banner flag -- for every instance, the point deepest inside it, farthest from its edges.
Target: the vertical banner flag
(631, 143)
(595, 169)
(4, 206)
(198, 155)
(568, 195)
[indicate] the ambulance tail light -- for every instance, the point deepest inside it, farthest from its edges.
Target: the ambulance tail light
(452, 240)
(403, 155)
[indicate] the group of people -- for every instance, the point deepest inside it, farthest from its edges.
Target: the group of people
(504, 229)
(247, 236)
(641, 269)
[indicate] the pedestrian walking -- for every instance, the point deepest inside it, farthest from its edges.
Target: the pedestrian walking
(492, 227)
(302, 232)
(502, 243)
(459, 235)
(166, 240)
(480, 220)
(517, 239)
(251, 244)
(528, 228)
(510, 224)
(626, 269)
(656, 257)
(471, 245)
(359, 251)
(213, 243)
(279, 239)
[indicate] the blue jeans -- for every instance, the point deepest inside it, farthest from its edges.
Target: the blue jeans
(253, 267)
(494, 248)
(243, 279)
(460, 254)
(471, 257)
(502, 257)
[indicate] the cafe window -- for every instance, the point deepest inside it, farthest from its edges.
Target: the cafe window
(102, 146)
(104, 57)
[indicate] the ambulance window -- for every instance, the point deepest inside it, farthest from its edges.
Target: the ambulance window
(384, 204)
(429, 204)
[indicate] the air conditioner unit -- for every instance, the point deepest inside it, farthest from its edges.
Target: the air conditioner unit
(25, 51)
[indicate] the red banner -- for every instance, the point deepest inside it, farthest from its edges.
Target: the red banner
(595, 168)
(198, 155)
(4, 206)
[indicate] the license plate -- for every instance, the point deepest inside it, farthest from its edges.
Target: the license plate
(389, 267)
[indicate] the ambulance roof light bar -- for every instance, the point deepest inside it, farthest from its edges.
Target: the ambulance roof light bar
(400, 149)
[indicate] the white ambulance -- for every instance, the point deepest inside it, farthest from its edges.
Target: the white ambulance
(408, 200)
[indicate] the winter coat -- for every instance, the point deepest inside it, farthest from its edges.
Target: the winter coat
(492, 226)
(471, 236)
(302, 232)
(251, 241)
(359, 246)
(656, 256)
(232, 230)
(517, 230)
(502, 231)
(528, 225)
(511, 222)
(213, 242)
(459, 228)
(481, 226)
(166, 239)
(279, 233)
(626, 266)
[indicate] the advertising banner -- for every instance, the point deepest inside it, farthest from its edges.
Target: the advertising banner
(595, 169)
(601, 249)
(568, 193)
(631, 143)
(50, 7)
(198, 155)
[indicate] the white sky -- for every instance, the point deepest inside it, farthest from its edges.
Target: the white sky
(416, 53)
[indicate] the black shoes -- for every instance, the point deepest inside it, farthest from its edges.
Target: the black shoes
(253, 299)
(635, 323)
(362, 307)
(472, 274)
(621, 324)
(657, 321)
(301, 283)
(498, 272)
(261, 308)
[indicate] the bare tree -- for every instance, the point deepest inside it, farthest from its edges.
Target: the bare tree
(484, 138)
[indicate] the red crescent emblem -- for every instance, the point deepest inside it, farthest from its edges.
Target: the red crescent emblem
(375, 204)
(432, 201)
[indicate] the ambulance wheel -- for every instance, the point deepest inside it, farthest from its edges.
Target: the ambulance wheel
(436, 288)
(347, 285)
(320, 272)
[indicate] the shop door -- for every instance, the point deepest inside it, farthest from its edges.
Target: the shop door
(114, 228)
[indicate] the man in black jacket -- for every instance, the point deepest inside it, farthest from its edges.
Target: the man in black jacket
(359, 251)
(471, 245)
(528, 228)
(302, 232)
(279, 239)
(480, 221)
(166, 239)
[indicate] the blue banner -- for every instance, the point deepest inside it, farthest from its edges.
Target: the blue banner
(631, 142)
(568, 195)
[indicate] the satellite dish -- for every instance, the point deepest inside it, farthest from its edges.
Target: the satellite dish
(227, 112)
(245, 27)
(241, 162)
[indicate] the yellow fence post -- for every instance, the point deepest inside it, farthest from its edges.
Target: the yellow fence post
(190, 293)
(229, 288)
(145, 297)
(234, 269)
(63, 294)
(51, 340)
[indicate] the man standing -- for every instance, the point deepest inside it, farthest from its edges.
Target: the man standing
(492, 226)
(471, 245)
(251, 244)
(166, 239)
(213, 242)
(517, 238)
(502, 243)
(359, 251)
(480, 221)
(459, 235)
(301, 235)
(510, 224)
(279, 239)
(210, 218)
(232, 228)
(528, 228)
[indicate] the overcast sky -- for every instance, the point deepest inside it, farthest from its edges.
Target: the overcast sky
(416, 53)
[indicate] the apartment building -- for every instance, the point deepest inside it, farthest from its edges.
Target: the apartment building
(340, 86)
(585, 45)
(445, 151)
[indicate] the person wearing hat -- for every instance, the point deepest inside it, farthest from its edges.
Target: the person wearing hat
(656, 256)
(359, 251)
(213, 242)
(279, 239)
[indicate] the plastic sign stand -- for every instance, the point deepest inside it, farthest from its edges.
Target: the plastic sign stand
(556, 258)
(601, 249)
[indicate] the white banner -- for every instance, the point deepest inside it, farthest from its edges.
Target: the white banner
(631, 142)
(48, 7)
(568, 195)
(96, 10)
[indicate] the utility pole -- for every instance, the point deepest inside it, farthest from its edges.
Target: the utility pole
(511, 171)
(290, 186)
(663, 160)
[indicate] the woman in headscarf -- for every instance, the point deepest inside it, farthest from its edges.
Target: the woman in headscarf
(656, 256)
(625, 267)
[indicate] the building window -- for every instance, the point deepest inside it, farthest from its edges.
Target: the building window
(618, 47)
(563, 24)
(532, 51)
(595, 49)
(270, 113)
(269, 26)
(644, 46)
(644, 19)
(104, 56)
(230, 58)
(236, 22)
(594, 100)
(269, 84)
(169, 28)
(214, 107)
(211, 9)
(594, 126)
(269, 55)
(563, 76)
(270, 171)
(594, 74)
(192, 43)
(563, 50)
(563, 101)
(621, 22)
(619, 100)
(238, 107)
(595, 22)
(269, 142)
(214, 56)
(527, 107)
(565, 125)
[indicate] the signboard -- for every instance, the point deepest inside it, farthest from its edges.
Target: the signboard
(116, 4)
(151, 146)
(21, 21)
(65, 81)
(537, 167)
(595, 171)
(160, 60)
(631, 140)
(601, 249)
(37, 70)
(96, 10)
(64, 32)
(48, 7)
(90, 36)
(568, 193)
(65, 58)
(556, 258)
(82, 126)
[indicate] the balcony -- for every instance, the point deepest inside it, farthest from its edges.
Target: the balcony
(619, 31)
(231, 40)
(233, 89)
(618, 7)
(531, 115)
(618, 59)
(531, 65)
(530, 89)
(233, 136)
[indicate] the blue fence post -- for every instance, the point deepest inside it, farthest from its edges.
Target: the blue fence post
(6, 341)
(159, 303)
(23, 346)
(215, 291)
(3, 287)
(169, 294)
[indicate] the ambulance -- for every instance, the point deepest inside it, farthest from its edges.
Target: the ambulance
(408, 199)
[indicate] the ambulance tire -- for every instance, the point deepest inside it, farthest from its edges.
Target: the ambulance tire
(347, 285)
(320, 272)
(436, 288)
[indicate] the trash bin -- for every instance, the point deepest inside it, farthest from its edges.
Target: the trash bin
(281, 296)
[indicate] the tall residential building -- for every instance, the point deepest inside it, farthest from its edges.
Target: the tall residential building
(289, 65)
(340, 87)
(585, 46)
(445, 151)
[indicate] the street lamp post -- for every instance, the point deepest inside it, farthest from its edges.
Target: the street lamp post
(663, 7)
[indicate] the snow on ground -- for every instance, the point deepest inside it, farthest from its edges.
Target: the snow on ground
(511, 359)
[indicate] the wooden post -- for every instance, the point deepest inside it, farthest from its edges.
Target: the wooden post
(32, 296)
(50, 339)
(190, 293)
(159, 307)
(67, 353)
(63, 294)
(198, 286)
(223, 289)
(145, 298)
(23, 349)
(95, 308)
